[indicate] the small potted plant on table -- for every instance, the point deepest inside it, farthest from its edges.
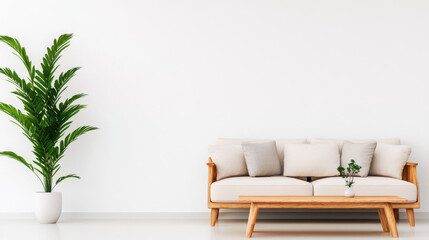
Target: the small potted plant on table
(348, 174)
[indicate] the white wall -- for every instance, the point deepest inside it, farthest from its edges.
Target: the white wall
(165, 78)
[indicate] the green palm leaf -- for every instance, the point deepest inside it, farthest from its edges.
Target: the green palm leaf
(21, 53)
(18, 158)
(74, 136)
(44, 119)
(60, 179)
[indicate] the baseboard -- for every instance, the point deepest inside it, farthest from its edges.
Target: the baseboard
(227, 214)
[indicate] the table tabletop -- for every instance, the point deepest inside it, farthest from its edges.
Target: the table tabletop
(321, 199)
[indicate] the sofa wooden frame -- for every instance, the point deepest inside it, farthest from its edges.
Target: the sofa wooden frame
(409, 174)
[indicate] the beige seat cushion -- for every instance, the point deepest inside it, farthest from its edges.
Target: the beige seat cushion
(366, 186)
(229, 189)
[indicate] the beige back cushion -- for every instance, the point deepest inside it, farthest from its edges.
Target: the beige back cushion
(389, 160)
(261, 158)
(360, 152)
(340, 142)
(318, 160)
(280, 144)
(229, 160)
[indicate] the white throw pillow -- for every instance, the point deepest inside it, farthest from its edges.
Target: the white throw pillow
(311, 160)
(229, 160)
(389, 160)
(362, 153)
(261, 158)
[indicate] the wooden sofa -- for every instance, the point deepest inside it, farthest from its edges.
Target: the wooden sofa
(409, 174)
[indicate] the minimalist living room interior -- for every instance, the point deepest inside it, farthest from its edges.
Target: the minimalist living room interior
(214, 119)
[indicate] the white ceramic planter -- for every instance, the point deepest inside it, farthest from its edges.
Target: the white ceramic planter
(349, 192)
(48, 206)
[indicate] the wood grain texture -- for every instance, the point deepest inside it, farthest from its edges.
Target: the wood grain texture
(214, 216)
(253, 214)
(409, 174)
(411, 164)
(396, 213)
(383, 220)
(385, 210)
(229, 205)
(406, 205)
(320, 205)
(388, 210)
(212, 178)
(410, 215)
(321, 199)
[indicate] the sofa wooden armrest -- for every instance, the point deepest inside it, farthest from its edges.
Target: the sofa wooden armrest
(212, 178)
(409, 173)
(212, 171)
(412, 164)
(215, 206)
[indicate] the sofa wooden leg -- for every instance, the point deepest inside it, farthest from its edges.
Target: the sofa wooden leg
(410, 214)
(396, 212)
(214, 216)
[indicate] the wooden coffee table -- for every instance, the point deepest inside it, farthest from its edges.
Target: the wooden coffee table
(382, 203)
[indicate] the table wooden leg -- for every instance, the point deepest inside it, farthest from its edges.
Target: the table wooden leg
(388, 210)
(383, 220)
(252, 219)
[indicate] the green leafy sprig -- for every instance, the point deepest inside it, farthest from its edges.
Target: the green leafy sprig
(352, 170)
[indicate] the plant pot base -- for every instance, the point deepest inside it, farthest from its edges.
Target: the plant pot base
(349, 193)
(48, 207)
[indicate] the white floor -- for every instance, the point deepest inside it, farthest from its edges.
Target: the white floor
(73, 229)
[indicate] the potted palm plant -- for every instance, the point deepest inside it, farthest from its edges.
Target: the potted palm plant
(44, 120)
